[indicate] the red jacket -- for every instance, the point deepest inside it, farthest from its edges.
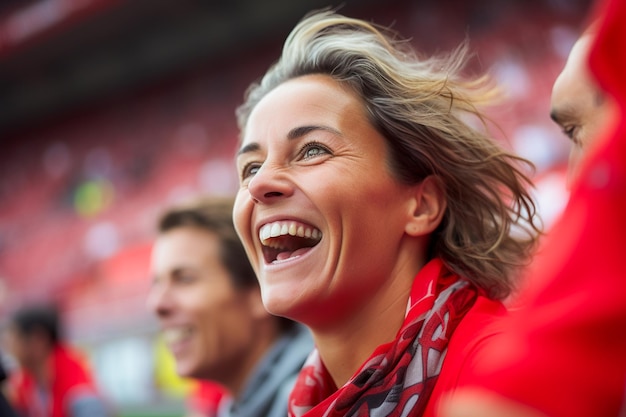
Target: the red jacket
(71, 379)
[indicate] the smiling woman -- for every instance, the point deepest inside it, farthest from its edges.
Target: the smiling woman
(374, 215)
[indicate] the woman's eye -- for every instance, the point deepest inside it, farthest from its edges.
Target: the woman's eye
(311, 150)
(250, 169)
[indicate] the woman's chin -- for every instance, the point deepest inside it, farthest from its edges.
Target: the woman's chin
(278, 306)
(282, 304)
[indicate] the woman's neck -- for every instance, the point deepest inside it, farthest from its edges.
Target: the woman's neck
(346, 345)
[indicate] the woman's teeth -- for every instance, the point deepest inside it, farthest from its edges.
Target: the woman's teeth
(290, 228)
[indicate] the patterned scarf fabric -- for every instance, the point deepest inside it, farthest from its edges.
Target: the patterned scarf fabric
(399, 377)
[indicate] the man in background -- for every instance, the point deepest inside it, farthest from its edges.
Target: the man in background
(53, 379)
(563, 354)
(578, 105)
(208, 302)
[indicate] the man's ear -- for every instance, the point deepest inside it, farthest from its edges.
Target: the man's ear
(428, 207)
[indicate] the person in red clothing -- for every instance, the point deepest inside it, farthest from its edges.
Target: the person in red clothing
(578, 106)
(54, 379)
(373, 213)
(6, 410)
(564, 354)
(205, 399)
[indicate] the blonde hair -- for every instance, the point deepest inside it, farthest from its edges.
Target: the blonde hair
(490, 226)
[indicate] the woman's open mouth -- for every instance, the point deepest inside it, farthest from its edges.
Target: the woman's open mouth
(287, 239)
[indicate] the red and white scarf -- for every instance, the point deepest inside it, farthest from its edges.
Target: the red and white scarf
(399, 376)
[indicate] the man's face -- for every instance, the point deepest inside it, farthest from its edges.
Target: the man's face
(578, 106)
(207, 323)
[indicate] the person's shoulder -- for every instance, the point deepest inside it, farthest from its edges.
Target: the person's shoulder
(278, 408)
(298, 348)
(483, 320)
(67, 355)
(294, 347)
(481, 323)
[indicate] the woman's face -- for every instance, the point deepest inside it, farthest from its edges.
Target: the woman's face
(322, 219)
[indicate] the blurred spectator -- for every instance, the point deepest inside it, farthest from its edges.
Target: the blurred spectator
(208, 302)
(54, 379)
(6, 410)
(579, 106)
(564, 354)
(584, 112)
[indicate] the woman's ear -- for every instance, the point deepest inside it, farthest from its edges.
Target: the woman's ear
(428, 207)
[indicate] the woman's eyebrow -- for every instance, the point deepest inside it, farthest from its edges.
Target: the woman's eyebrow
(295, 133)
(251, 147)
(300, 131)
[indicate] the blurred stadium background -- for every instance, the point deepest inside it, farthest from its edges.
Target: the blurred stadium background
(111, 110)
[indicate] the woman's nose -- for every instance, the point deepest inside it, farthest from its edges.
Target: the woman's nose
(270, 183)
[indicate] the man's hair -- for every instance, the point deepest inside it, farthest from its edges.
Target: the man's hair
(38, 318)
(214, 215)
(490, 226)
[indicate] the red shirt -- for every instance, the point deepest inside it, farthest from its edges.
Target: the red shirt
(466, 348)
(70, 380)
